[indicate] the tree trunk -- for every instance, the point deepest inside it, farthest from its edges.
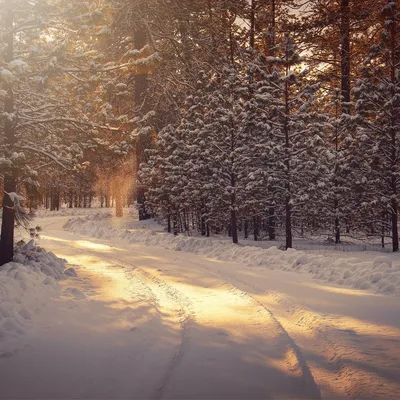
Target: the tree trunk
(52, 199)
(10, 180)
(71, 199)
(246, 228)
(143, 142)
(288, 223)
(288, 189)
(7, 223)
(394, 64)
(255, 228)
(169, 223)
(175, 224)
(46, 199)
(271, 223)
(234, 227)
(58, 199)
(119, 210)
(252, 23)
(345, 91)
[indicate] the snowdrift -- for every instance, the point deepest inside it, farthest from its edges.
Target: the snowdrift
(25, 288)
(377, 273)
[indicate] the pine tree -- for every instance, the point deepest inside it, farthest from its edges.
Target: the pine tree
(378, 135)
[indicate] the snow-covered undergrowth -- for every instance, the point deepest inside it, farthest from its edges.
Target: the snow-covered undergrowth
(25, 288)
(73, 212)
(376, 273)
(69, 212)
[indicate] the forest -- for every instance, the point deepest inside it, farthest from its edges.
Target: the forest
(247, 118)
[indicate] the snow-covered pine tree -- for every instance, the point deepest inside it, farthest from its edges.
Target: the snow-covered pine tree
(378, 114)
(293, 136)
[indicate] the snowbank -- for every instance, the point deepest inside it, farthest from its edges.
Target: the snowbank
(376, 273)
(25, 288)
(73, 212)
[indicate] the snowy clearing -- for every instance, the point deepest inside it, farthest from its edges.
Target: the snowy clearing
(145, 321)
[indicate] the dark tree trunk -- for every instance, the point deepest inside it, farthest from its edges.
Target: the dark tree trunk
(234, 227)
(246, 228)
(383, 230)
(271, 223)
(58, 199)
(175, 224)
(52, 199)
(394, 65)
(203, 225)
(288, 223)
(345, 55)
(10, 180)
(255, 228)
(288, 189)
(7, 223)
(169, 223)
(252, 23)
(71, 199)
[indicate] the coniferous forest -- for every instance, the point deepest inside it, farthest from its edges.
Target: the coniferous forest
(249, 118)
(199, 199)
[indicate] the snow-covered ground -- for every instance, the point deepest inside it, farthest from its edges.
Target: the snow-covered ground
(155, 316)
(363, 270)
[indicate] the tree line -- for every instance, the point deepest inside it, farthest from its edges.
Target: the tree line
(266, 117)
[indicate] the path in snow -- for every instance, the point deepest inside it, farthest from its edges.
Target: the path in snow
(144, 322)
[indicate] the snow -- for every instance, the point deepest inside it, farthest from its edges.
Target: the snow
(18, 67)
(25, 287)
(14, 197)
(376, 274)
(7, 76)
(144, 320)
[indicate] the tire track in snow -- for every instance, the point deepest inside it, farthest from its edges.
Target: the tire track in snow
(327, 347)
(185, 316)
(164, 294)
(301, 363)
(169, 304)
(180, 305)
(167, 301)
(350, 350)
(341, 346)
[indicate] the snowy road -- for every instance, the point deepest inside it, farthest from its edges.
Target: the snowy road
(144, 322)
